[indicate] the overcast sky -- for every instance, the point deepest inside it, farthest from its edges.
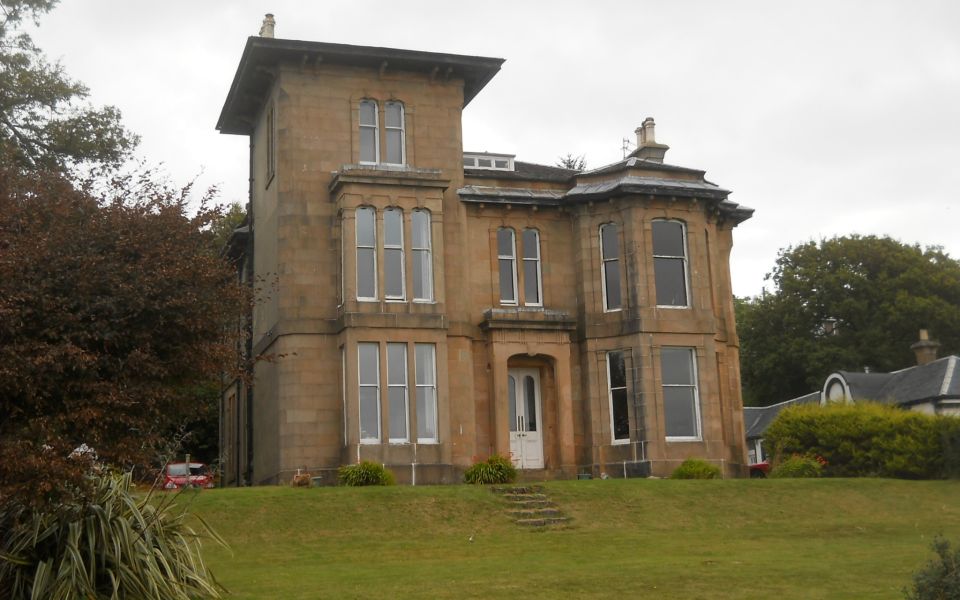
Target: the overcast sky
(827, 117)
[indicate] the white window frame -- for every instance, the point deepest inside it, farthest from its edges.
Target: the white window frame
(406, 397)
(373, 247)
(395, 248)
(685, 262)
(692, 353)
(368, 440)
(401, 129)
(603, 268)
(536, 260)
(513, 266)
(376, 131)
(433, 390)
(610, 390)
(428, 250)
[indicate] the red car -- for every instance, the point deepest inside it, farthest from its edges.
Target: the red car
(759, 469)
(180, 475)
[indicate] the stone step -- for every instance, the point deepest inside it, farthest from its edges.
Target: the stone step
(533, 503)
(517, 489)
(534, 513)
(523, 497)
(542, 522)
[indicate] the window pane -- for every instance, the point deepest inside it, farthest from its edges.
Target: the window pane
(668, 238)
(505, 242)
(368, 113)
(531, 244)
(531, 283)
(394, 146)
(501, 164)
(611, 272)
(365, 227)
(393, 272)
(425, 365)
(369, 374)
(420, 228)
(393, 227)
(422, 288)
(366, 273)
(512, 399)
(483, 162)
(671, 281)
(679, 412)
(369, 419)
(507, 293)
(398, 413)
(675, 366)
(530, 391)
(393, 113)
(426, 413)
(397, 364)
(608, 239)
(368, 144)
(618, 372)
(621, 416)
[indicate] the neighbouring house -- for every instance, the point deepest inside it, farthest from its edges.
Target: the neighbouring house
(931, 386)
(424, 307)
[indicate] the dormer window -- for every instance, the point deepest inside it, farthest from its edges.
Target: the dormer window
(486, 160)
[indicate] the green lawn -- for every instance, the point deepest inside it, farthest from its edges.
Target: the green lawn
(829, 538)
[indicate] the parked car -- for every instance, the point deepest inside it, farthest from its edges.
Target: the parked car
(759, 470)
(180, 475)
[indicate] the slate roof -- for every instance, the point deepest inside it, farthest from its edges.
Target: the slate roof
(934, 380)
(526, 172)
(626, 183)
(756, 419)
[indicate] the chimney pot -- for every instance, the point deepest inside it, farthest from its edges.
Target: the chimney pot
(925, 349)
(266, 29)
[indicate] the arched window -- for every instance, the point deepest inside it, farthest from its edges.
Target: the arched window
(393, 270)
(394, 133)
(610, 259)
(670, 263)
(369, 132)
(422, 256)
(532, 288)
(507, 259)
(366, 253)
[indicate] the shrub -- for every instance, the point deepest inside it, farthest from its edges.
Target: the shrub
(694, 468)
(364, 473)
(939, 579)
(113, 545)
(798, 466)
(496, 469)
(868, 440)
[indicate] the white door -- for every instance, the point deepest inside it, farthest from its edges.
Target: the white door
(526, 425)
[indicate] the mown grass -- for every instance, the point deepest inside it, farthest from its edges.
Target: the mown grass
(831, 538)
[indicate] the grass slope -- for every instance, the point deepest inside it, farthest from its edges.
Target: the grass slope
(830, 538)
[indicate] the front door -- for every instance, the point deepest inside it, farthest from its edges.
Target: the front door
(526, 442)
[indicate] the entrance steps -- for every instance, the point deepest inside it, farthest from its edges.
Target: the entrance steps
(530, 506)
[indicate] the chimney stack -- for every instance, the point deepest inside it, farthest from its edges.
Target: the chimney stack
(266, 29)
(647, 146)
(925, 348)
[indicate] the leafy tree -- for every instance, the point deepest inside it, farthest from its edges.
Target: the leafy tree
(844, 304)
(574, 162)
(113, 313)
(43, 119)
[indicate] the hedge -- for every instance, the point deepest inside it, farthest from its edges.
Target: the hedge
(869, 440)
